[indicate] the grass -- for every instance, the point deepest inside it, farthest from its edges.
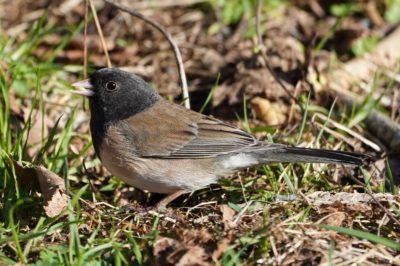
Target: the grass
(365, 235)
(95, 230)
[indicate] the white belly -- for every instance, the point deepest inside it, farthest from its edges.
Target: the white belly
(158, 175)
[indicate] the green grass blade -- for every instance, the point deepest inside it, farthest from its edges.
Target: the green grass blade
(210, 95)
(39, 156)
(135, 248)
(363, 235)
(14, 230)
(321, 131)
(94, 251)
(304, 119)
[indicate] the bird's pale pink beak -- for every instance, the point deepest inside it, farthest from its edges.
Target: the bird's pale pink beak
(83, 84)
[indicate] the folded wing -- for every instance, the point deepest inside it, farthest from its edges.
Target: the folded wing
(185, 135)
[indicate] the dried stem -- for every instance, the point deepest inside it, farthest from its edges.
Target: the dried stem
(103, 43)
(167, 35)
(263, 49)
(85, 59)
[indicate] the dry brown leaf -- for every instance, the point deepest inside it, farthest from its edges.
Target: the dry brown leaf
(27, 176)
(53, 191)
(270, 113)
(168, 251)
(227, 216)
(51, 185)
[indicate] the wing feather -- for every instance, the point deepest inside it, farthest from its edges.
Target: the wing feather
(176, 132)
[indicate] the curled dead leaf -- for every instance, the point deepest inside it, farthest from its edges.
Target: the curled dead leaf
(168, 251)
(268, 112)
(53, 191)
(52, 187)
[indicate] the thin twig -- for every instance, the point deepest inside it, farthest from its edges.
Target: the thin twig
(262, 48)
(100, 32)
(167, 35)
(86, 3)
(391, 216)
(200, 205)
(258, 19)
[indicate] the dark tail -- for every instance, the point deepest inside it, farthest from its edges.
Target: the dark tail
(325, 156)
(280, 153)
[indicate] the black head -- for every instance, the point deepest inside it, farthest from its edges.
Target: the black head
(118, 95)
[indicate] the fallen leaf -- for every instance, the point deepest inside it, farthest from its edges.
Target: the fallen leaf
(27, 176)
(227, 216)
(53, 191)
(168, 251)
(270, 113)
(51, 186)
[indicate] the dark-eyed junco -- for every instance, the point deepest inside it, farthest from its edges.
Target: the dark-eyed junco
(162, 147)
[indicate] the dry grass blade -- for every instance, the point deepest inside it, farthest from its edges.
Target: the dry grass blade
(100, 32)
(347, 130)
(85, 59)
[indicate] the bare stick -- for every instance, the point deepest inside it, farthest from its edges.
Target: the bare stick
(167, 35)
(263, 49)
(86, 3)
(103, 43)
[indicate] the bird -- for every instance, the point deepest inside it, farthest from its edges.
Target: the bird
(158, 146)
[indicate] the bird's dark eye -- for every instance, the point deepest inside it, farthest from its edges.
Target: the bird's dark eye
(111, 85)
